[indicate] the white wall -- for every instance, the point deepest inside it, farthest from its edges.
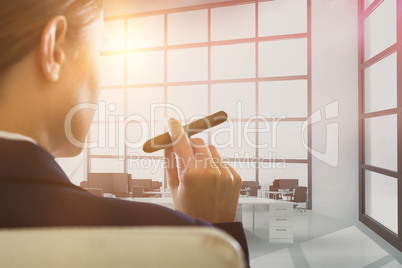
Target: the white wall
(335, 78)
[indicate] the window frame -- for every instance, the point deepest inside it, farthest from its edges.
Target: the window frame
(209, 44)
(384, 232)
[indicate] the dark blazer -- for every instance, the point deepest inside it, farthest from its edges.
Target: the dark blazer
(35, 192)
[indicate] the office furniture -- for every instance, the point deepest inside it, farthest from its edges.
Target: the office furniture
(137, 191)
(114, 183)
(84, 184)
(130, 176)
(281, 223)
(273, 195)
(277, 195)
(159, 193)
(254, 191)
(288, 184)
(156, 185)
(146, 184)
(282, 185)
(95, 191)
(280, 217)
(245, 191)
(250, 187)
(277, 208)
(299, 196)
(101, 247)
(288, 195)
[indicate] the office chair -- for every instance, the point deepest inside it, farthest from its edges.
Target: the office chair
(272, 188)
(95, 191)
(299, 196)
(103, 247)
(84, 184)
(137, 191)
(250, 188)
(254, 190)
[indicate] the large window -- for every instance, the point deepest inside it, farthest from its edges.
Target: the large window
(248, 58)
(380, 121)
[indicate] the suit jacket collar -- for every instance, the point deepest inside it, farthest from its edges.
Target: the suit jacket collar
(23, 160)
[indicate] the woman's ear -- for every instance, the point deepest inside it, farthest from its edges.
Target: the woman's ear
(51, 52)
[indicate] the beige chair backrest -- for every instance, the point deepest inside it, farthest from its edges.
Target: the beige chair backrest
(99, 247)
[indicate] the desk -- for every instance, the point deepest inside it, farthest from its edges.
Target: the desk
(242, 200)
(256, 201)
(280, 212)
(276, 193)
(158, 194)
(245, 191)
(280, 217)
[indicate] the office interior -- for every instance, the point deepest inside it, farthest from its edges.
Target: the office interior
(316, 84)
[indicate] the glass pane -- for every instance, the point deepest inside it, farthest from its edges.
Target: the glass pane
(235, 139)
(188, 27)
(74, 167)
(146, 68)
(246, 170)
(367, 3)
(380, 85)
(188, 64)
(282, 140)
(282, 17)
(113, 35)
(237, 100)
(278, 98)
(137, 133)
(100, 165)
(381, 197)
(146, 103)
(268, 172)
(147, 169)
(283, 58)
(381, 142)
(380, 28)
(112, 70)
(110, 106)
(233, 61)
(146, 32)
(107, 139)
(233, 22)
(187, 102)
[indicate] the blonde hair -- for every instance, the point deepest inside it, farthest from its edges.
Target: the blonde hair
(22, 23)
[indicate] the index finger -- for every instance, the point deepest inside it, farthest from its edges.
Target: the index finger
(181, 146)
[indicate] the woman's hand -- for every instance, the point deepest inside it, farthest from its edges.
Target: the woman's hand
(201, 184)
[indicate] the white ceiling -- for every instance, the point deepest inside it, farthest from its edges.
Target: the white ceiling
(121, 7)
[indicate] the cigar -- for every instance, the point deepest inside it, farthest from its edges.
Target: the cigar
(163, 141)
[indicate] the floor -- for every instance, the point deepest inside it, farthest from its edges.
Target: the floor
(319, 241)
